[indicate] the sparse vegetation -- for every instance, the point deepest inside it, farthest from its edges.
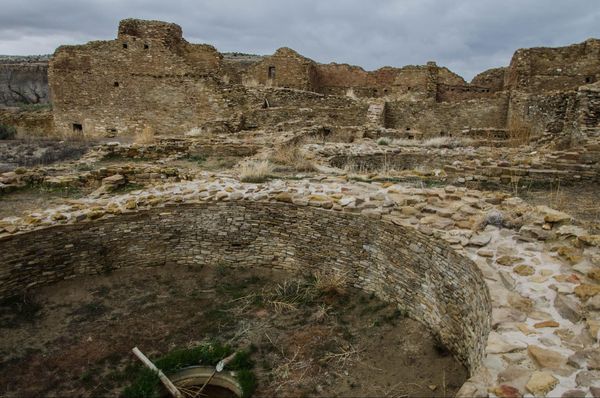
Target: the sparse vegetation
(256, 171)
(291, 156)
(383, 141)
(7, 132)
(145, 136)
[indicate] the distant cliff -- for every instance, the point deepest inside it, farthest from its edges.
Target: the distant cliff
(23, 80)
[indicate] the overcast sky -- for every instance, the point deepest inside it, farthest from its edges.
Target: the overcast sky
(468, 36)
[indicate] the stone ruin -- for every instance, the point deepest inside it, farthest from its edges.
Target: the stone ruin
(151, 76)
(512, 288)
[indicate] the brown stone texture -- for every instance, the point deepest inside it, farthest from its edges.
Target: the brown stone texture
(444, 290)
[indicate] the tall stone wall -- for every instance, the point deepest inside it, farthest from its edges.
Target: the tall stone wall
(562, 68)
(448, 118)
(148, 76)
(286, 68)
(438, 287)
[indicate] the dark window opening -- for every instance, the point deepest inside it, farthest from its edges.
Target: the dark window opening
(375, 91)
(271, 72)
(408, 129)
(442, 133)
(124, 45)
(77, 127)
(411, 137)
(116, 84)
(111, 130)
(589, 79)
(146, 46)
(408, 88)
(385, 90)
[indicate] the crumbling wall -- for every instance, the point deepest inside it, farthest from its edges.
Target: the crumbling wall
(561, 68)
(268, 107)
(148, 76)
(433, 118)
(588, 112)
(286, 68)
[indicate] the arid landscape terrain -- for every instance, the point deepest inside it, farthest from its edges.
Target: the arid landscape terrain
(397, 232)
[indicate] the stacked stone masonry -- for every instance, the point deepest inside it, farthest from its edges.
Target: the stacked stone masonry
(150, 77)
(425, 277)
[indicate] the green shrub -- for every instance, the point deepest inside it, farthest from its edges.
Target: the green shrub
(7, 132)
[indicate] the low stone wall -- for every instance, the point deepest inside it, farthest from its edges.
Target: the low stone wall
(424, 276)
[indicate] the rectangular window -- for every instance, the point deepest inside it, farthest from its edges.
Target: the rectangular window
(77, 128)
(271, 72)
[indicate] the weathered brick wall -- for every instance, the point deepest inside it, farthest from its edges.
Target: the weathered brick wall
(148, 76)
(435, 285)
(588, 113)
(434, 118)
(286, 68)
(561, 68)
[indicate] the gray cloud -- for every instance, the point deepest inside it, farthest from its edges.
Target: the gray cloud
(468, 36)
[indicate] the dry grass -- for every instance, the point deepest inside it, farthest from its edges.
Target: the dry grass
(146, 136)
(256, 171)
(331, 282)
(291, 156)
(519, 132)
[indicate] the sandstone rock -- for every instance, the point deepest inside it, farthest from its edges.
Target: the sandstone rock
(524, 270)
(284, 197)
(567, 307)
(131, 204)
(570, 253)
(593, 304)
(551, 215)
(508, 260)
(587, 378)
(547, 358)
(497, 344)
(506, 391)
(594, 274)
(480, 240)
(541, 383)
(590, 240)
(546, 324)
(585, 291)
(595, 391)
(573, 394)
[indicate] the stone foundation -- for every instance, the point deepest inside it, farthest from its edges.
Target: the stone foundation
(423, 276)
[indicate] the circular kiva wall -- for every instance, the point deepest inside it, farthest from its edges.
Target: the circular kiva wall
(438, 287)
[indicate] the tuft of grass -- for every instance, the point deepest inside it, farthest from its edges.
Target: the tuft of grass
(291, 156)
(331, 282)
(146, 136)
(256, 171)
(383, 141)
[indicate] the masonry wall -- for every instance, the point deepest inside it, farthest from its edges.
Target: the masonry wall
(448, 118)
(561, 68)
(436, 286)
(269, 107)
(286, 68)
(148, 76)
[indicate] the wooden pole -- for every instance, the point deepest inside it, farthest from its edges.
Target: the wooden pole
(164, 379)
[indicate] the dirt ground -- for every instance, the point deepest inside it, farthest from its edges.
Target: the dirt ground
(309, 336)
